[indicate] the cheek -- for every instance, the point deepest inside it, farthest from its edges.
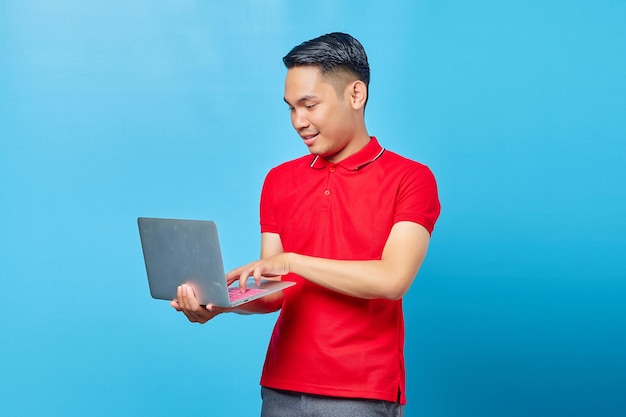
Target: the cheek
(338, 124)
(325, 120)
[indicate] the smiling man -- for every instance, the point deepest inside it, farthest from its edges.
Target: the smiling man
(351, 224)
(323, 114)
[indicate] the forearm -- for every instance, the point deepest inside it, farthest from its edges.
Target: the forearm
(389, 277)
(362, 279)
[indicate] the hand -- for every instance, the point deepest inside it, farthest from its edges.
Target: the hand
(271, 267)
(187, 303)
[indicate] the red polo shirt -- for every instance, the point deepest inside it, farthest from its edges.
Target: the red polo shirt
(327, 343)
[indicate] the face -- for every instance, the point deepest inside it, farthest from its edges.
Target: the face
(324, 118)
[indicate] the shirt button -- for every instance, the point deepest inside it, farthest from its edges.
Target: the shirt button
(333, 169)
(327, 192)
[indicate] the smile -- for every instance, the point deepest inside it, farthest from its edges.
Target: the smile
(309, 139)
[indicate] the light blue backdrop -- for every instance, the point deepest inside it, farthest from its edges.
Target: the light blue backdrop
(116, 109)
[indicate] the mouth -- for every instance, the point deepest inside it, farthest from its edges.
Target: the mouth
(309, 139)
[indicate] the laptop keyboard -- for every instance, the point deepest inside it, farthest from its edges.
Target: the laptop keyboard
(235, 294)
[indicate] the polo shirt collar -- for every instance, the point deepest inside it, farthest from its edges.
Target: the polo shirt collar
(371, 152)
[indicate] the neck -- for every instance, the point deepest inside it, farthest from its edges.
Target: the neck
(353, 146)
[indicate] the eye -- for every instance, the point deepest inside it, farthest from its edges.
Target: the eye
(310, 106)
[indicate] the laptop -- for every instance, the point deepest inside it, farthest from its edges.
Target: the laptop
(188, 252)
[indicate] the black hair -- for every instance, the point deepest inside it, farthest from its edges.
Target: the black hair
(333, 52)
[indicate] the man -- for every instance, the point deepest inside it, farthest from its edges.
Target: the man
(351, 224)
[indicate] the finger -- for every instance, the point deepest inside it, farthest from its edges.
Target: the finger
(184, 299)
(181, 296)
(257, 276)
(233, 275)
(214, 310)
(231, 279)
(191, 300)
(189, 304)
(219, 310)
(198, 312)
(174, 304)
(243, 280)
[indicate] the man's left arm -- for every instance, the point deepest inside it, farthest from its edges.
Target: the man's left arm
(388, 278)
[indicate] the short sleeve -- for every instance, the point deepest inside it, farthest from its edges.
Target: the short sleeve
(417, 199)
(267, 208)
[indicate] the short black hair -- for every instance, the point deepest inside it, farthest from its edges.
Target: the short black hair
(332, 53)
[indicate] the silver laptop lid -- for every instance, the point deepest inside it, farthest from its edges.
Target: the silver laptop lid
(183, 251)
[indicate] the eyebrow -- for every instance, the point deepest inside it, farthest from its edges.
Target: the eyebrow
(303, 98)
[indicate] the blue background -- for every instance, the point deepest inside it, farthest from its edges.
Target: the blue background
(117, 109)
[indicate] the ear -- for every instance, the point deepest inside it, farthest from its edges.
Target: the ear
(358, 94)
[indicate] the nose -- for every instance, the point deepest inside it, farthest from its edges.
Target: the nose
(298, 119)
